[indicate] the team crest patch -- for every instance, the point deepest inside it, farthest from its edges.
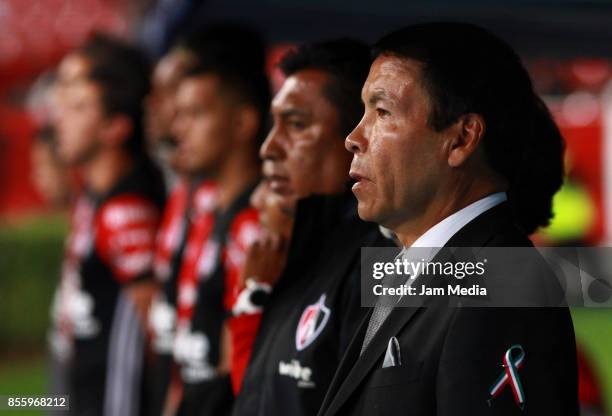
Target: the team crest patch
(313, 320)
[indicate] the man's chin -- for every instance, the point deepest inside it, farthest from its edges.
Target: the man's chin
(371, 214)
(287, 204)
(365, 212)
(192, 173)
(189, 167)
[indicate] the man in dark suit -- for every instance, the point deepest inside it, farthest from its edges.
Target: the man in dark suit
(455, 150)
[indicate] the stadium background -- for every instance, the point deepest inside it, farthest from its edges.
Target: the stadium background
(567, 46)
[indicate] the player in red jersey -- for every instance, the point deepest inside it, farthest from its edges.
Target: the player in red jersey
(221, 108)
(190, 196)
(185, 247)
(105, 287)
(188, 201)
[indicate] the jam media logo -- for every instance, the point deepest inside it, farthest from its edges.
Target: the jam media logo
(313, 320)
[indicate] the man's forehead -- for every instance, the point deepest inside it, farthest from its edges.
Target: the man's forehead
(82, 88)
(390, 75)
(170, 68)
(165, 70)
(74, 66)
(301, 89)
(201, 84)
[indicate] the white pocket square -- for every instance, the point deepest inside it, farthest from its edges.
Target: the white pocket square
(393, 357)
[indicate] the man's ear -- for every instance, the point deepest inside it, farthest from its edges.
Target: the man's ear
(467, 134)
(247, 122)
(117, 129)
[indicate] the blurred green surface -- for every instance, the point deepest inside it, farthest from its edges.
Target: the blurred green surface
(593, 328)
(30, 260)
(25, 376)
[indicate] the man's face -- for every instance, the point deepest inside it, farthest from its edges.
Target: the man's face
(80, 122)
(304, 152)
(74, 67)
(397, 158)
(161, 102)
(204, 125)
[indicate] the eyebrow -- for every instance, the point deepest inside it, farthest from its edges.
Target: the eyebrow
(292, 112)
(378, 95)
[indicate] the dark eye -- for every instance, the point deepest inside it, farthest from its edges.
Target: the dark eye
(381, 112)
(296, 124)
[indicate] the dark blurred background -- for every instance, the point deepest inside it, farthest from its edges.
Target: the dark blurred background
(567, 46)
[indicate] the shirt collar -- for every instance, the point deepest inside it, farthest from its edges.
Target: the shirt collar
(439, 234)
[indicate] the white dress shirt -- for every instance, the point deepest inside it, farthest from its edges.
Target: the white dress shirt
(439, 234)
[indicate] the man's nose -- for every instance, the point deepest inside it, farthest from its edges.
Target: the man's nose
(356, 141)
(271, 149)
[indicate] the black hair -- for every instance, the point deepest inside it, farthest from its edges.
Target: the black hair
(123, 73)
(236, 55)
(228, 42)
(466, 69)
(347, 61)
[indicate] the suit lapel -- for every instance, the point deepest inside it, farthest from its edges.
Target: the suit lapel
(348, 377)
(355, 368)
(392, 325)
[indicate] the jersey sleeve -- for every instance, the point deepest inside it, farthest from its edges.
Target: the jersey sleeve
(126, 228)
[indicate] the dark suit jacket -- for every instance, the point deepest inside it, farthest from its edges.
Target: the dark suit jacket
(452, 356)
